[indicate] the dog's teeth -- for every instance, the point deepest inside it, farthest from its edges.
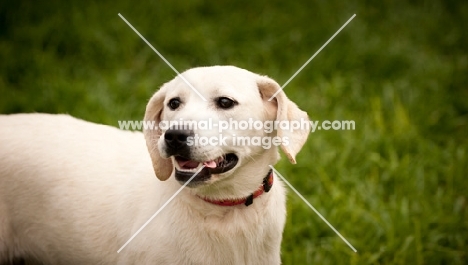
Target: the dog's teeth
(191, 168)
(219, 161)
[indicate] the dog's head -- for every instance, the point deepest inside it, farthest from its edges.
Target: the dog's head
(235, 130)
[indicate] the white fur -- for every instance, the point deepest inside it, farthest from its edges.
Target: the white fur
(73, 192)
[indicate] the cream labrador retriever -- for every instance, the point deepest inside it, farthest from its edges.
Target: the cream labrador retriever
(73, 192)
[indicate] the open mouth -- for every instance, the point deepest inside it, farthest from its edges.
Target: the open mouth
(186, 168)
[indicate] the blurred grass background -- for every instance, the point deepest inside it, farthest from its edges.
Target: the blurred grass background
(395, 187)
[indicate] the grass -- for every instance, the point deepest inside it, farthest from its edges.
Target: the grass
(395, 187)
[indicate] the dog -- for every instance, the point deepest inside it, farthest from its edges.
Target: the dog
(74, 192)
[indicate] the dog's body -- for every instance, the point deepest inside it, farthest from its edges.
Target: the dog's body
(73, 192)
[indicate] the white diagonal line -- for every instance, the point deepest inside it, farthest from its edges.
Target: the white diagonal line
(313, 209)
(160, 209)
(162, 57)
(313, 56)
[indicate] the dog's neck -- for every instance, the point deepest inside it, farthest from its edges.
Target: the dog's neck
(264, 187)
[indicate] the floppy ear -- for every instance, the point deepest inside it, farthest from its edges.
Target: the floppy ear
(162, 166)
(286, 110)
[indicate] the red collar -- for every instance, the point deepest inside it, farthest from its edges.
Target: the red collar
(265, 187)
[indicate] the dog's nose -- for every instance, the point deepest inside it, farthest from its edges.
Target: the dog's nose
(177, 139)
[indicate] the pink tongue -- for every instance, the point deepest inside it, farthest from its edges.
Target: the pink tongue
(188, 164)
(210, 164)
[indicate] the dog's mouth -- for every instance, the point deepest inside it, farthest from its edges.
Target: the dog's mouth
(185, 168)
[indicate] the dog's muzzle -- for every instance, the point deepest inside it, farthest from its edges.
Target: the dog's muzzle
(177, 146)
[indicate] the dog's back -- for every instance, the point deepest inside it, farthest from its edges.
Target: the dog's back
(60, 180)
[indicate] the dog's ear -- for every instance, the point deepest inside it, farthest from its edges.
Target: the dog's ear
(162, 166)
(286, 110)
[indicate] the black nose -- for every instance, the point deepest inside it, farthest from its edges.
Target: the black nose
(176, 141)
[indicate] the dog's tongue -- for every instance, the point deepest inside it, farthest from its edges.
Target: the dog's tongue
(194, 164)
(210, 164)
(188, 164)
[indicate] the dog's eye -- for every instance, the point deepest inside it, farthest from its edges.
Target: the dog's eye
(225, 103)
(174, 103)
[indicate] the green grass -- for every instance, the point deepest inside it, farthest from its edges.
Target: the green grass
(395, 187)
